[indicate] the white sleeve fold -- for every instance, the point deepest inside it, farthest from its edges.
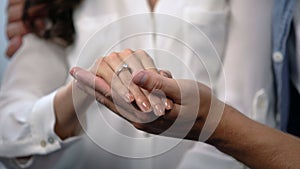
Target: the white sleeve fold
(26, 99)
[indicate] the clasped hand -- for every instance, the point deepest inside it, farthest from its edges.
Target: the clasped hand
(129, 84)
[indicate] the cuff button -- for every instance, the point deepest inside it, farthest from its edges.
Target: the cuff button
(50, 140)
(43, 143)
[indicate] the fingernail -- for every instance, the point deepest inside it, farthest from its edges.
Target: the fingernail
(168, 105)
(129, 98)
(158, 110)
(76, 74)
(72, 72)
(140, 78)
(126, 98)
(146, 107)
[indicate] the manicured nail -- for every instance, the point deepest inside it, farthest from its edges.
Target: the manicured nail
(126, 98)
(146, 107)
(168, 105)
(158, 110)
(129, 98)
(72, 72)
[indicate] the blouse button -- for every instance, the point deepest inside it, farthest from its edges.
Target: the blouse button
(43, 143)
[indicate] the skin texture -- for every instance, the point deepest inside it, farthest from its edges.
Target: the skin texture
(99, 82)
(252, 143)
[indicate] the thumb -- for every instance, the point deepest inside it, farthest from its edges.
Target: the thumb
(150, 81)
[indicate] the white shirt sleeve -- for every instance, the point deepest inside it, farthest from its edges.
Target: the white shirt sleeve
(26, 99)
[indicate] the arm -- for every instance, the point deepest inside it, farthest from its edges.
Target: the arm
(252, 143)
(255, 144)
(27, 98)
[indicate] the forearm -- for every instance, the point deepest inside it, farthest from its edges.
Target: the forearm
(254, 144)
(67, 123)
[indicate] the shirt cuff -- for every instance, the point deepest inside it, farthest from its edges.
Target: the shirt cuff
(42, 121)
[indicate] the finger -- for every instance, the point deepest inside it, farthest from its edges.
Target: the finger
(134, 60)
(88, 90)
(13, 46)
(16, 29)
(174, 112)
(89, 79)
(129, 58)
(168, 104)
(165, 73)
(105, 101)
(150, 81)
(15, 12)
(13, 2)
(116, 63)
(118, 105)
(103, 70)
(145, 60)
(157, 103)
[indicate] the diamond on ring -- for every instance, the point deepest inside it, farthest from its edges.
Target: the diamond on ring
(124, 67)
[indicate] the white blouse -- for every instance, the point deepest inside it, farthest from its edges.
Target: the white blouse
(39, 68)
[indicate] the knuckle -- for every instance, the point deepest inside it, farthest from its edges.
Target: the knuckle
(97, 64)
(99, 60)
(112, 56)
(157, 85)
(106, 59)
(140, 51)
(127, 51)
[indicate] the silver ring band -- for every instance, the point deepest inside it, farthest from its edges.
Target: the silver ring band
(123, 68)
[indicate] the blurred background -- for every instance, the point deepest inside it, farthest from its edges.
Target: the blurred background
(3, 40)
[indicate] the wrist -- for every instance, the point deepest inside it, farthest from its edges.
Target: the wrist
(66, 122)
(227, 128)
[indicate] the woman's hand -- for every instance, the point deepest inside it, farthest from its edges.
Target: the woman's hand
(113, 73)
(20, 22)
(187, 117)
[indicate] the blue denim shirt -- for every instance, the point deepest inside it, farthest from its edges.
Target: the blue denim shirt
(282, 51)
